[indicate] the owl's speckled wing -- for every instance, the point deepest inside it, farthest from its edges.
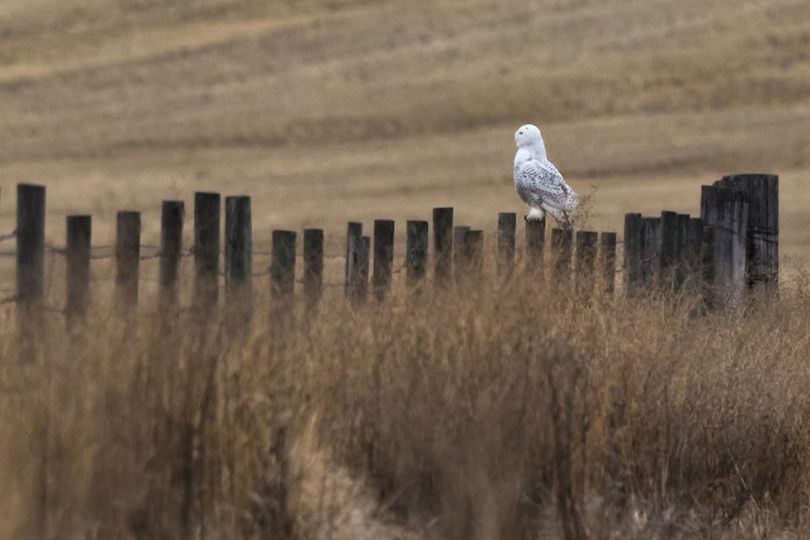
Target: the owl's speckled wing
(540, 182)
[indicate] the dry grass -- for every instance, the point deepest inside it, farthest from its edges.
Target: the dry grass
(511, 411)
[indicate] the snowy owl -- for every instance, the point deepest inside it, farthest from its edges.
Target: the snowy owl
(538, 182)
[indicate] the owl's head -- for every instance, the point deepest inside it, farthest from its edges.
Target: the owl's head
(528, 135)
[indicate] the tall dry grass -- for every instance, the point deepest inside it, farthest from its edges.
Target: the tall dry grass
(520, 409)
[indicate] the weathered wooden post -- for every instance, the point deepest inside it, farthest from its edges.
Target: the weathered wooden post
(681, 267)
(354, 233)
(535, 239)
(127, 261)
(459, 269)
(442, 246)
(607, 261)
(383, 257)
(77, 271)
(474, 252)
(30, 269)
(507, 223)
(365, 264)
(650, 250)
(171, 244)
(206, 249)
(238, 255)
(313, 266)
(707, 270)
(282, 267)
(586, 261)
(562, 247)
(762, 247)
(416, 252)
(692, 254)
(633, 230)
(726, 210)
(669, 250)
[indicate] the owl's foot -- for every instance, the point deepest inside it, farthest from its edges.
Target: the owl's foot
(535, 214)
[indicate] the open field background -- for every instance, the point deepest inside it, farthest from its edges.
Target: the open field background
(331, 111)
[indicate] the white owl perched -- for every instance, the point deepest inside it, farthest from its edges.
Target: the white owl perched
(538, 182)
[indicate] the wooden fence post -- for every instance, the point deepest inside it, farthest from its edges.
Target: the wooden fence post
(383, 257)
(416, 252)
(681, 265)
(727, 211)
(650, 250)
(313, 266)
(127, 260)
(607, 261)
(507, 223)
(238, 254)
(633, 230)
(535, 239)
(171, 244)
(442, 245)
(77, 271)
(459, 268)
(474, 252)
(282, 266)
(365, 260)
(30, 269)
(707, 273)
(763, 228)
(692, 254)
(561, 247)
(668, 250)
(206, 249)
(586, 261)
(354, 234)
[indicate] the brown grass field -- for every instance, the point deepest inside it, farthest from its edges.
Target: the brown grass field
(521, 410)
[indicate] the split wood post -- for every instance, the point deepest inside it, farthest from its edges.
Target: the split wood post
(633, 230)
(238, 256)
(313, 266)
(206, 249)
(763, 228)
(727, 211)
(171, 245)
(442, 246)
(282, 267)
(586, 261)
(535, 240)
(561, 247)
(459, 268)
(365, 264)
(669, 250)
(707, 273)
(354, 233)
(650, 251)
(507, 223)
(383, 257)
(681, 268)
(607, 261)
(30, 269)
(474, 253)
(77, 271)
(416, 252)
(693, 257)
(127, 261)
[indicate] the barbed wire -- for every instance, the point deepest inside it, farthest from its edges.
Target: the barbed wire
(8, 236)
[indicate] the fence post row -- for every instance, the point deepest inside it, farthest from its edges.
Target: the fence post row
(562, 247)
(282, 265)
(206, 248)
(459, 268)
(633, 230)
(313, 266)
(668, 249)
(535, 240)
(416, 251)
(474, 252)
(383, 257)
(127, 260)
(30, 268)
(650, 250)
(586, 260)
(77, 269)
(507, 223)
(607, 261)
(171, 244)
(442, 245)
(354, 234)
(238, 253)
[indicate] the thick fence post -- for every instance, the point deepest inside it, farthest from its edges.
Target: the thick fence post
(763, 227)
(206, 249)
(727, 211)
(77, 271)
(383, 257)
(535, 240)
(171, 244)
(586, 261)
(365, 260)
(669, 250)
(682, 252)
(633, 231)
(692, 253)
(474, 253)
(416, 252)
(562, 247)
(353, 235)
(459, 269)
(30, 269)
(313, 266)
(442, 245)
(282, 266)
(507, 223)
(650, 250)
(707, 270)
(127, 260)
(607, 261)
(238, 253)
